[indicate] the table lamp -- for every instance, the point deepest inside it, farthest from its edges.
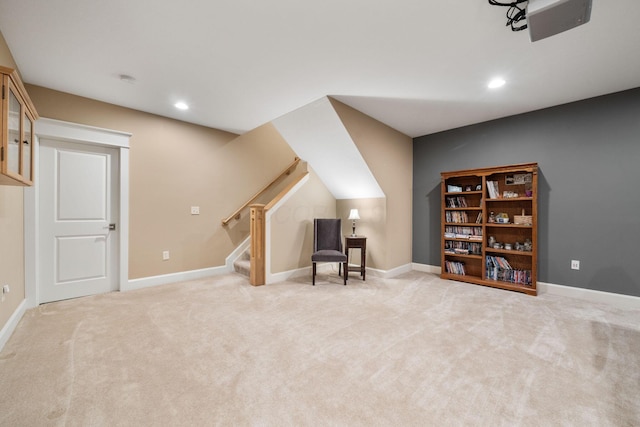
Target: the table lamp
(353, 215)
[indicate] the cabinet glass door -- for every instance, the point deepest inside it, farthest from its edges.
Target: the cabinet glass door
(13, 143)
(27, 144)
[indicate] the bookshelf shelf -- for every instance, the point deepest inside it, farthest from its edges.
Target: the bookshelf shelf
(464, 193)
(508, 252)
(505, 191)
(511, 199)
(465, 256)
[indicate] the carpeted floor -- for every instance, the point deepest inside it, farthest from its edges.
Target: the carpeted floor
(413, 350)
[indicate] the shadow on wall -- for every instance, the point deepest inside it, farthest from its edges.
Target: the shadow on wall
(236, 231)
(307, 244)
(434, 202)
(544, 190)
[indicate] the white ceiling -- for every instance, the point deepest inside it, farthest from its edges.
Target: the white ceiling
(420, 66)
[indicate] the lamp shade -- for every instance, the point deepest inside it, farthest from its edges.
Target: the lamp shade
(354, 214)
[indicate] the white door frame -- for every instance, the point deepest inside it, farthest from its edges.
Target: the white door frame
(73, 132)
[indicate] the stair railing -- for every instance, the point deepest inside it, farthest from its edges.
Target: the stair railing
(286, 171)
(257, 228)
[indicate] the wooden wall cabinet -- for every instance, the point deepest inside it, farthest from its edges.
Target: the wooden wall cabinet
(17, 128)
(489, 226)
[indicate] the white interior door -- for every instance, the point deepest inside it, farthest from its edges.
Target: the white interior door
(78, 201)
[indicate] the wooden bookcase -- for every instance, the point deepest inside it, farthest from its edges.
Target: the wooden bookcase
(469, 230)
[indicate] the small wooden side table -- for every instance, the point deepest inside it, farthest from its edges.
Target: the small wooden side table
(356, 242)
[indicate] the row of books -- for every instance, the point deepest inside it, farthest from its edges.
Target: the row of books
(457, 202)
(462, 236)
(462, 248)
(456, 216)
(462, 232)
(454, 267)
(498, 268)
(494, 191)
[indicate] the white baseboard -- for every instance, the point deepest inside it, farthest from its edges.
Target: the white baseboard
(328, 268)
(12, 323)
(299, 272)
(387, 274)
(425, 268)
(183, 276)
(616, 300)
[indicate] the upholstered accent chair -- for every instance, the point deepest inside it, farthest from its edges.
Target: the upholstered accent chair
(327, 244)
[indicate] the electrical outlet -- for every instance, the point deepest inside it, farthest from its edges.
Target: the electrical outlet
(165, 255)
(195, 210)
(575, 264)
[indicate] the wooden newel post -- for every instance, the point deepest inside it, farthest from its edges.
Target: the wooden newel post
(257, 228)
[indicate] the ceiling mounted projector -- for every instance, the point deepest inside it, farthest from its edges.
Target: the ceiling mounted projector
(549, 17)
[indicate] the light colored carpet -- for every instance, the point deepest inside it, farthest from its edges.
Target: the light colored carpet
(414, 350)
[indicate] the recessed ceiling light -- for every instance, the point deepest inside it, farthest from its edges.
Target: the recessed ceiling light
(181, 105)
(496, 83)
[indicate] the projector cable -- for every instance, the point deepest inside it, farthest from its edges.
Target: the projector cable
(515, 14)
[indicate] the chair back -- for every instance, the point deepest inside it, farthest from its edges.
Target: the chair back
(327, 234)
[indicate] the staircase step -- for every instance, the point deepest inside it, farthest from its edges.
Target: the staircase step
(242, 266)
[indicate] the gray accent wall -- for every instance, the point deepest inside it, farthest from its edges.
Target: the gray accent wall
(588, 153)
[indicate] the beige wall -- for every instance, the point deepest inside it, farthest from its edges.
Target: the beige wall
(176, 165)
(292, 225)
(11, 250)
(389, 155)
(11, 230)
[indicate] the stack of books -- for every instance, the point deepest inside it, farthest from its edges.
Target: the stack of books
(498, 268)
(454, 267)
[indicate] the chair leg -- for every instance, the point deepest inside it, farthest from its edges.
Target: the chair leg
(345, 274)
(313, 281)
